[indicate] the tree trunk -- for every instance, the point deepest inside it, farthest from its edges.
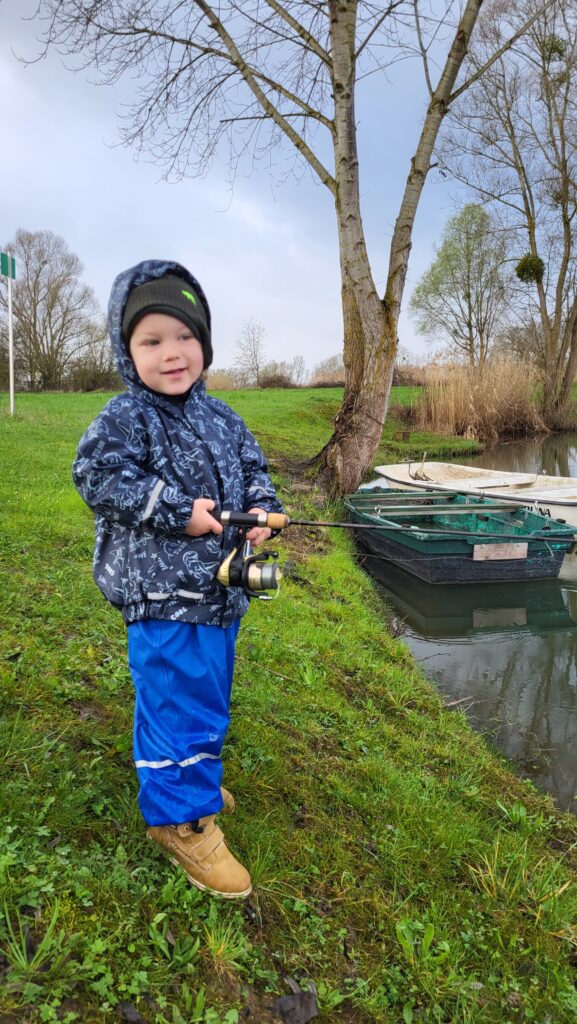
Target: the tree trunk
(557, 386)
(370, 324)
(358, 426)
(368, 354)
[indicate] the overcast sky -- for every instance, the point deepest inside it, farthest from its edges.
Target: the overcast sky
(261, 251)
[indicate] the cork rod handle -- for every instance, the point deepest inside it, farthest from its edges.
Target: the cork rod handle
(277, 520)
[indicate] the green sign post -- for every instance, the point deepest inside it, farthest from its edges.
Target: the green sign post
(7, 265)
(8, 269)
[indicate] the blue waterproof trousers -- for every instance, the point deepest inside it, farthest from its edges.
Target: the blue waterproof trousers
(182, 674)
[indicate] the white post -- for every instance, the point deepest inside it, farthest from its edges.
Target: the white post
(10, 337)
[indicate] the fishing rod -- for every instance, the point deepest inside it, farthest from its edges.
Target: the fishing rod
(279, 521)
(257, 572)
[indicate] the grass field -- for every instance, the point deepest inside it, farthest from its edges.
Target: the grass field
(399, 865)
(298, 422)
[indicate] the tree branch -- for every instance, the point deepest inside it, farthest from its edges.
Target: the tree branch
(269, 108)
(392, 7)
(502, 50)
(422, 48)
(312, 43)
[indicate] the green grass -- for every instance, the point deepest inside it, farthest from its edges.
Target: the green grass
(297, 423)
(398, 863)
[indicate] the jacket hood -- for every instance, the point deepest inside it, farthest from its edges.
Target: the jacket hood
(148, 270)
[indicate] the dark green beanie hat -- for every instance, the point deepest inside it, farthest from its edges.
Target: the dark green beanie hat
(173, 296)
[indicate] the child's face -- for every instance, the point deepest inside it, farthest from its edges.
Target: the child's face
(167, 356)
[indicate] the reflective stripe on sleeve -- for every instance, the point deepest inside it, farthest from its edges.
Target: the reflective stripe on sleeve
(152, 499)
(181, 764)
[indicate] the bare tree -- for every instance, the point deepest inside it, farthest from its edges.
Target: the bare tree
(464, 295)
(517, 139)
(249, 358)
(298, 371)
(332, 364)
(54, 312)
(94, 367)
(267, 70)
(330, 371)
(283, 373)
(522, 341)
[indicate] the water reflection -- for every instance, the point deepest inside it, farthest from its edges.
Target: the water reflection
(508, 655)
(506, 652)
(554, 454)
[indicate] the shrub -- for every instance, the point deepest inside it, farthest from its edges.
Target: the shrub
(91, 375)
(407, 375)
(275, 380)
(222, 380)
(332, 381)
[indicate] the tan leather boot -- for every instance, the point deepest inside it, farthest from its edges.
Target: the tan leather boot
(199, 848)
(228, 799)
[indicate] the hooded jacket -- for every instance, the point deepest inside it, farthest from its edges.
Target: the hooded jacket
(139, 467)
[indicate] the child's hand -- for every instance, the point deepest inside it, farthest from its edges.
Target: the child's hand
(258, 534)
(201, 520)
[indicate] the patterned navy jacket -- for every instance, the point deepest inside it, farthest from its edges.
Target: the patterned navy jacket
(139, 467)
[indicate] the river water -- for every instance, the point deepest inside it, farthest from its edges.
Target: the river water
(505, 653)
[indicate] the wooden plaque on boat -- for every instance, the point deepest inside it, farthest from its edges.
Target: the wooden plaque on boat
(499, 552)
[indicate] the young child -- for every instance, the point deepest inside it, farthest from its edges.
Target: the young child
(153, 466)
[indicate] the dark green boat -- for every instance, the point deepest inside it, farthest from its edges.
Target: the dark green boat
(455, 538)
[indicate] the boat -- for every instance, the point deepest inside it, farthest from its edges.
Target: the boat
(459, 538)
(554, 495)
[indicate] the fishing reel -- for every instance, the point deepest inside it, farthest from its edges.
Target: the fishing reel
(251, 571)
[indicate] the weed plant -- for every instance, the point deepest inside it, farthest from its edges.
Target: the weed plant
(400, 866)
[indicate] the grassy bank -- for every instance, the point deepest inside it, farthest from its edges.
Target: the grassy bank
(398, 864)
(297, 424)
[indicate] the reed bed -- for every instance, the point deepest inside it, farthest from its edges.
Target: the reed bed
(484, 404)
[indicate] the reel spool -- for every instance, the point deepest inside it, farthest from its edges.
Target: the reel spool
(251, 571)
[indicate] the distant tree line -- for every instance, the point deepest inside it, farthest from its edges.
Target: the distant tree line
(60, 334)
(252, 369)
(60, 340)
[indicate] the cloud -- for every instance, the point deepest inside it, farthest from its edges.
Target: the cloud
(262, 251)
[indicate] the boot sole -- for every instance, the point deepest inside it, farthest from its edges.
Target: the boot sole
(206, 888)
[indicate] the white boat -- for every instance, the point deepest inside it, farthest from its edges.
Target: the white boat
(554, 495)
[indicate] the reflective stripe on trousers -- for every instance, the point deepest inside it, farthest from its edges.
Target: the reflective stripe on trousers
(182, 676)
